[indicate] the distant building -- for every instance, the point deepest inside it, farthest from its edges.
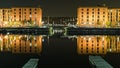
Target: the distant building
(99, 16)
(20, 14)
(92, 16)
(59, 20)
(114, 16)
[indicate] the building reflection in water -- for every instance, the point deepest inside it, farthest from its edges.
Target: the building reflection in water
(21, 43)
(98, 44)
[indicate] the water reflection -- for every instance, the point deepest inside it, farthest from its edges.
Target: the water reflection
(98, 44)
(21, 43)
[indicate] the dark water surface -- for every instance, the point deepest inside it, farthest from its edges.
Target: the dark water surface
(55, 52)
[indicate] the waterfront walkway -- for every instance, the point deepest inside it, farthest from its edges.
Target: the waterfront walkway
(61, 31)
(98, 62)
(32, 63)
(92, 31)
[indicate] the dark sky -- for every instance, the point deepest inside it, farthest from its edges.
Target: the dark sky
(59, 7)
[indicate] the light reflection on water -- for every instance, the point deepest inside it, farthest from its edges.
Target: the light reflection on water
(85, 44)
(21, 43)
(98, 44)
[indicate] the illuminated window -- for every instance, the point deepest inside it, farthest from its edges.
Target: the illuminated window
(81, 44)
(97, 20)
(19, 16)
(111, 19)
(86, 48)
(86, 51)
(98, 12)
(3, 10)
(30, 19)
(14, 15)
(81, 19)
(19, 9)
(14, 9)
(30, 49)
(81, 48)
(24, 12)
(92, 44)
(14, 44)
(30, 9)
(82, 12)
(97, 44)
(35, 41)
(103, 48)
(81, 15)
(87, 9)
(102, 51)
(97, 48)
(30, 12)
(19, 12)
(35, 12)
(97, 51)
(15, 50)
(20, 44)
(98, 9)
(86, 44)
(87, 20)
(87, 12)
(82, 23)
(98, 17)
(87, 16)
(119, 10)
(92, 49)
(103, 12)
(20, 49)
(14, 12)
(103, 16)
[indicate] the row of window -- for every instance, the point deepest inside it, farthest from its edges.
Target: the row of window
(24, 16)
(93, 16)
(100, 9)
(25, 47)
(25, 50)
(26, 9)
(93, 9)
(92, 44)
(93, 52)
(19, 10)
(92, 48)
(93, 12)
(26, 12)
(82, 20)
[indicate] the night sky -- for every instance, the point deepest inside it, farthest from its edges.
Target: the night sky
(59, 7)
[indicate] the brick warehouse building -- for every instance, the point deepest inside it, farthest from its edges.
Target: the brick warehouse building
(13, 16)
